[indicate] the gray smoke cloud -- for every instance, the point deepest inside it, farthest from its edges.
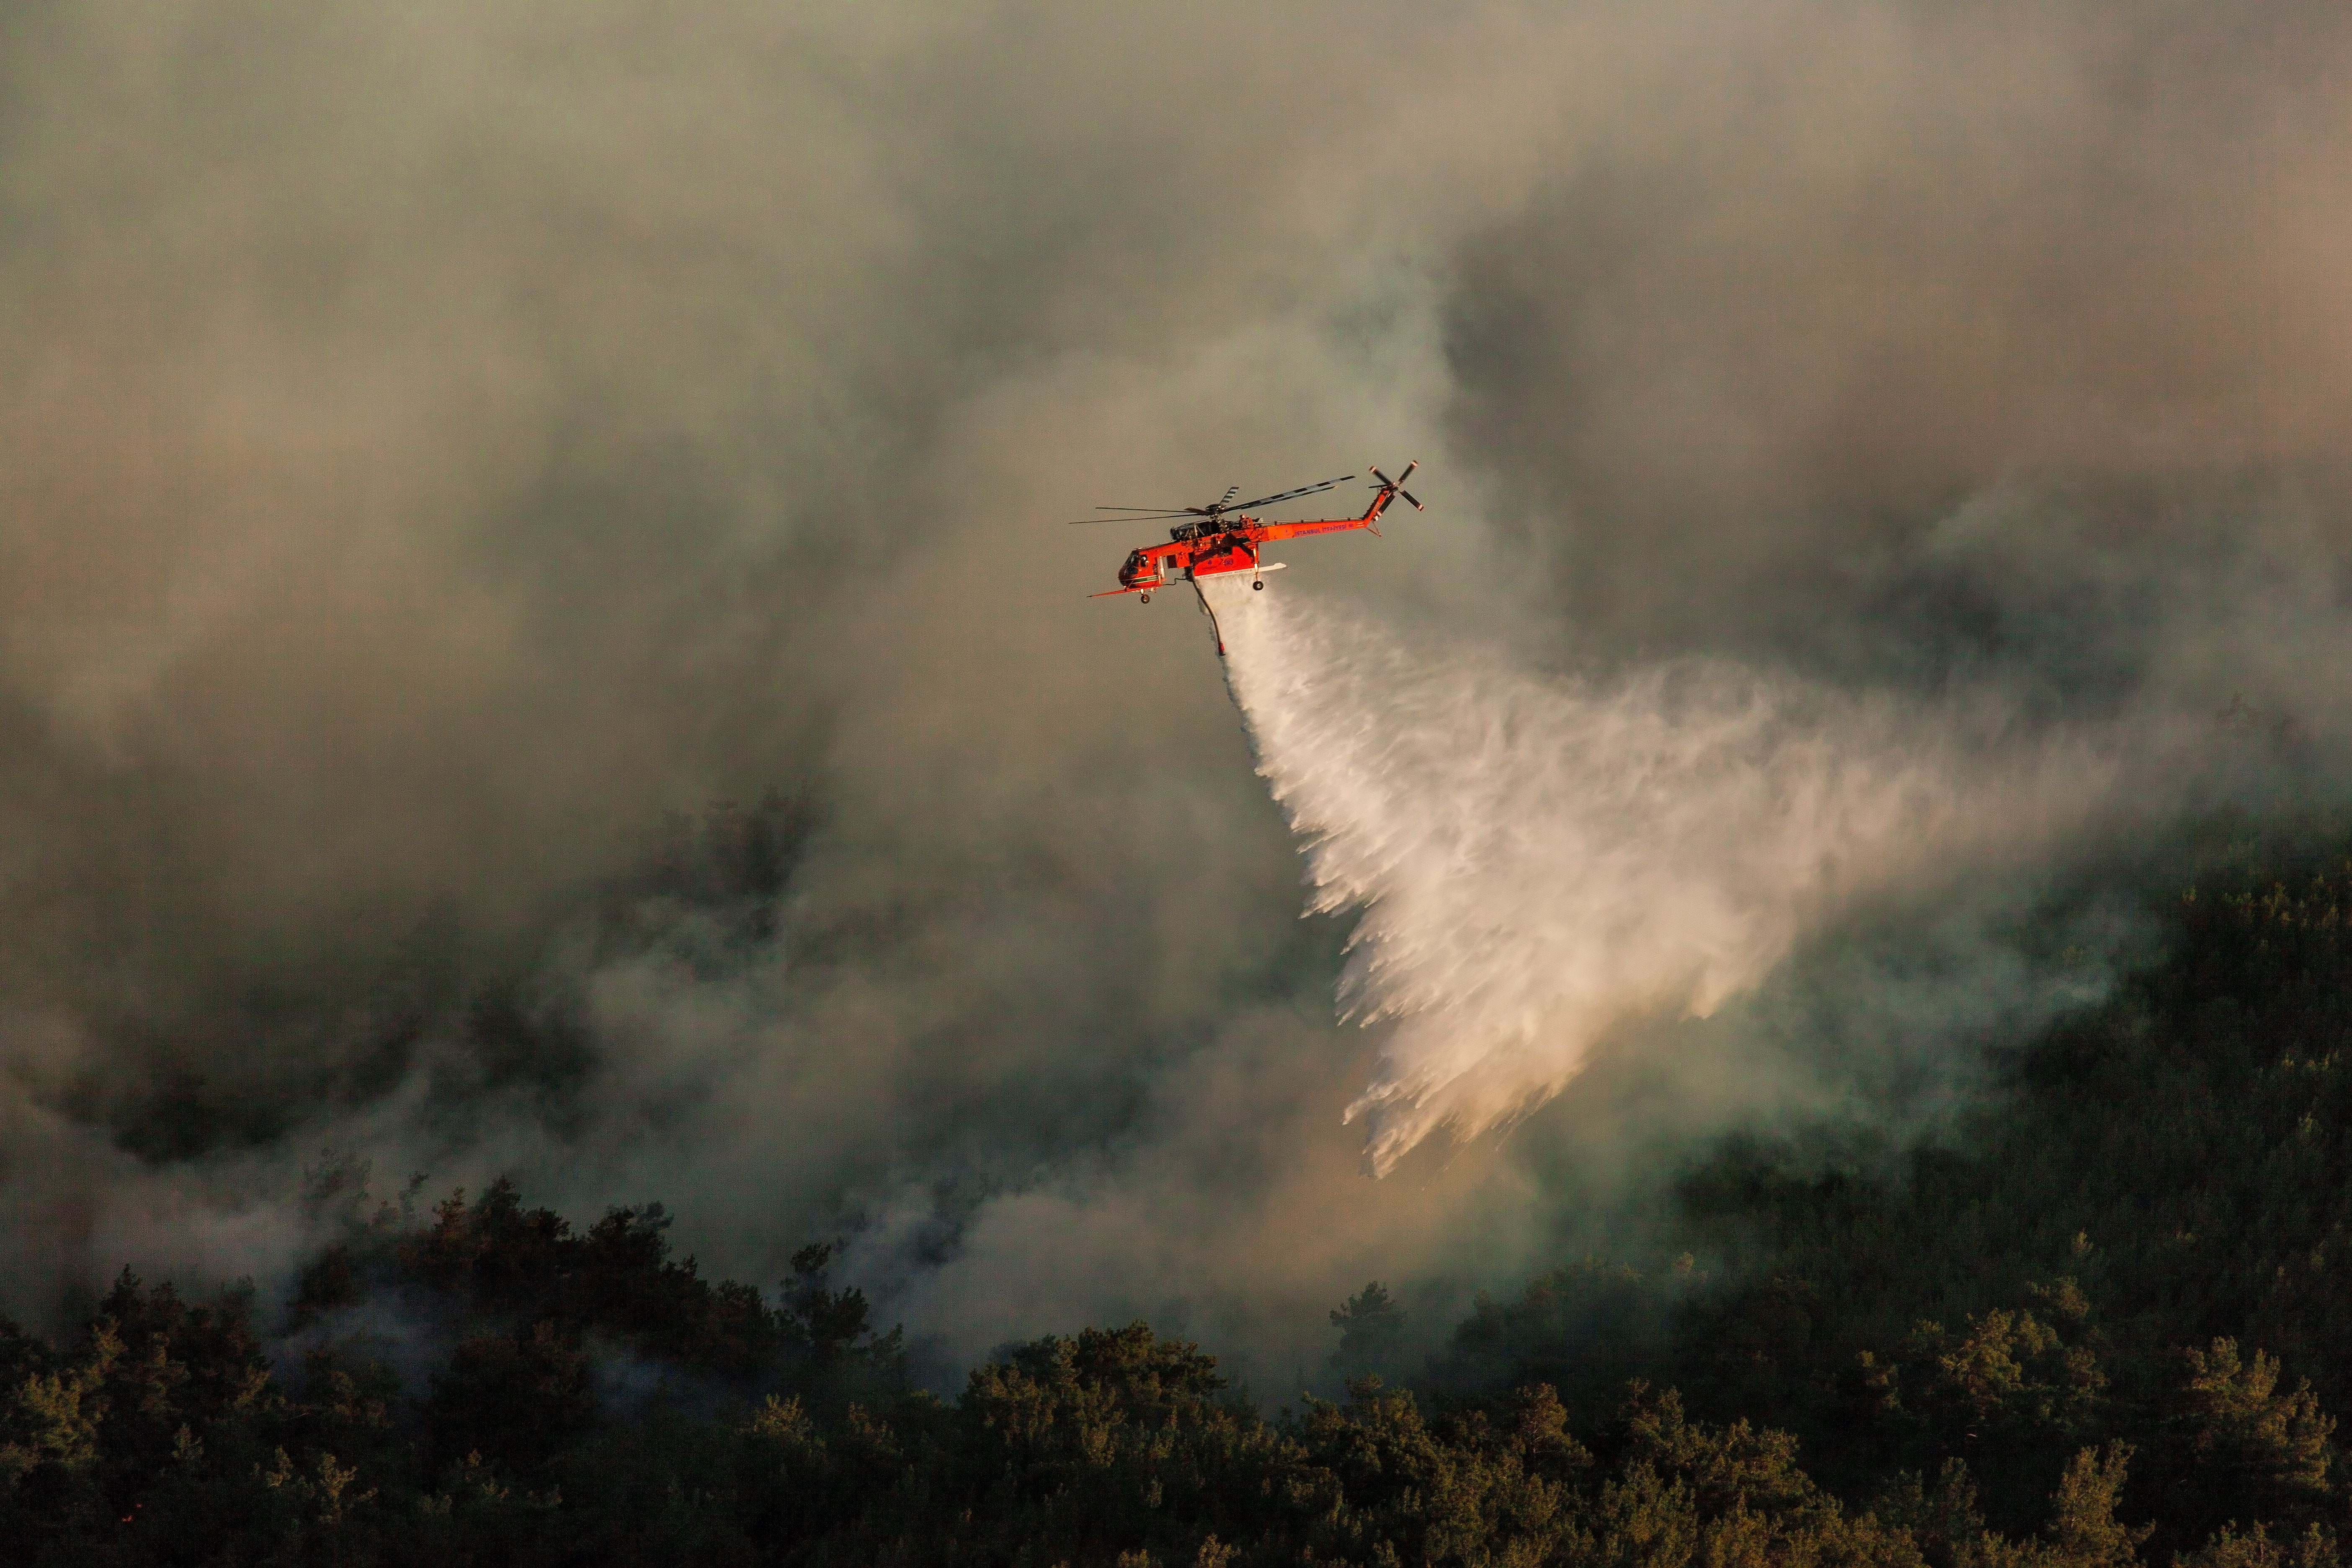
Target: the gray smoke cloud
(442, 444)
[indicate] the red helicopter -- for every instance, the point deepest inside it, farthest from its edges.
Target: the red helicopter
(1224, 538)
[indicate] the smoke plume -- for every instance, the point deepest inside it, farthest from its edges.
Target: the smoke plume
(449, 453)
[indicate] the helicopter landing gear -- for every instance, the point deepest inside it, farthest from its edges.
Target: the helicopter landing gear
(1257, 585)
(1147, 598)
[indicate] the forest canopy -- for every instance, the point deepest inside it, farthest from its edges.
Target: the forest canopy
(2098, 1324)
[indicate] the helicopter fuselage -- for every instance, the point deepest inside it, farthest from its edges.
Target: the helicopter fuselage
(1196, 550)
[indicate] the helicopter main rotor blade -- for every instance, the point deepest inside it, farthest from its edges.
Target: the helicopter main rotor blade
(1291, 495)
(1146, 517)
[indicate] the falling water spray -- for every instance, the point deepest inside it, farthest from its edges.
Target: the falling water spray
(1535, 859)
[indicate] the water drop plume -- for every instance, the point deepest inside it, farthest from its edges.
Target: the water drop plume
(1537, 858)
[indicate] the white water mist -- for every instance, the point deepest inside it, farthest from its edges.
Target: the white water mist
(1536, 859)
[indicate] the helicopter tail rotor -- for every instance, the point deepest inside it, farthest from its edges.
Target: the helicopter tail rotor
(1396, 487)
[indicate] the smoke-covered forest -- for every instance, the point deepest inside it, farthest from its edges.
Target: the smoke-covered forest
(608, 952)
(2100, 1322)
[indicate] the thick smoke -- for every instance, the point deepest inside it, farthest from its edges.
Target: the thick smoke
(1537, 861)
(445, 447)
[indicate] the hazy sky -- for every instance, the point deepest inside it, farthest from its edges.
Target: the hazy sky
(437, 441)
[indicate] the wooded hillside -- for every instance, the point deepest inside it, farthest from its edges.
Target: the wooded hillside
(2109, 1320)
